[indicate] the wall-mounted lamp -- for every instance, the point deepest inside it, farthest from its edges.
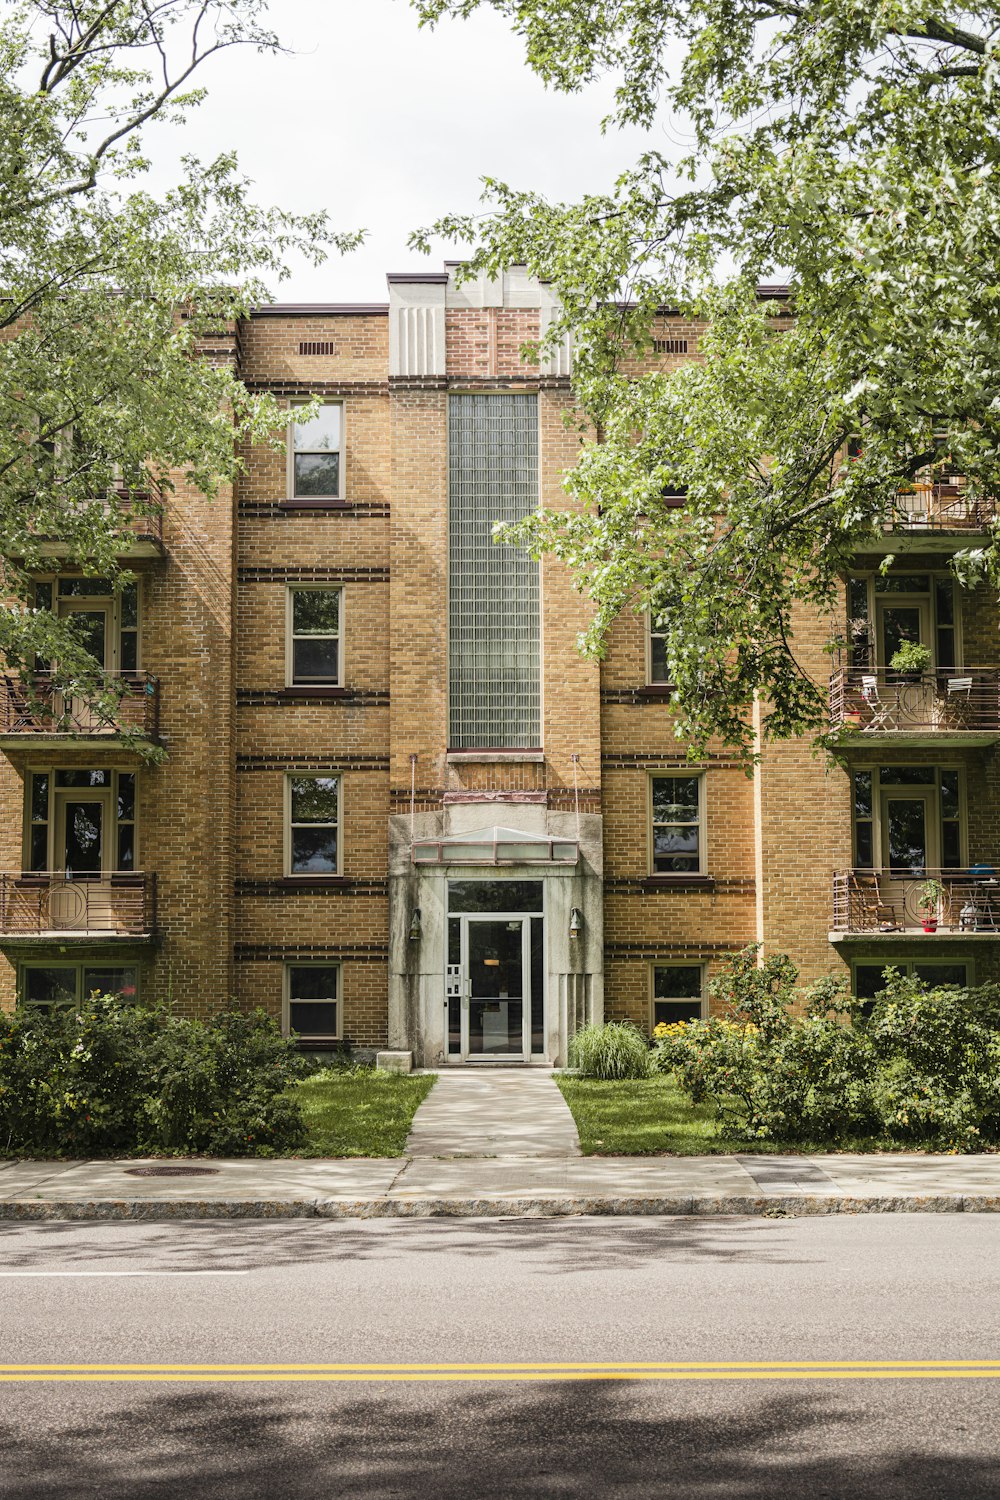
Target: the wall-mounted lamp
(575, 922)
(416, 931)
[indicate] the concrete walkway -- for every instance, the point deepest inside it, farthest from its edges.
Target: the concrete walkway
(425, 1186)
(472, 1112)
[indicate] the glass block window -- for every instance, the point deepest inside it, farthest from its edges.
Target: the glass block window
(676, 832)
(676, 993)
(312, 1001)
(316, 448)
(313, 835)
(314, 637)
(493, 627)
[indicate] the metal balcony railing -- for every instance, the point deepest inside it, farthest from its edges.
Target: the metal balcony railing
(877, 700)
(917, 901)
(136, 525)
(942, 505)
(115, 904)
(44, 706)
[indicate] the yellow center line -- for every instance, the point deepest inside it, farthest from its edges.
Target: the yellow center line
(584, 1370)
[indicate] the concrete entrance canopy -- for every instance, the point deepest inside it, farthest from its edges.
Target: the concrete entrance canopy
(428, 853)
(495, 846)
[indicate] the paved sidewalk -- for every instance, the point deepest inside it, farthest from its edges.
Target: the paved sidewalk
(504, 1112)
(424, 1186)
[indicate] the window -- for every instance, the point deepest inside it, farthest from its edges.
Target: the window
(494, 662)
(677, 842)
(46, 985)
(869, 981)
(658, 673)
(81, 820)
(312, 1001)
(314, 636)
(677, 993)
(313, 824)
(107, 621)
(909, 815)
(314, 456)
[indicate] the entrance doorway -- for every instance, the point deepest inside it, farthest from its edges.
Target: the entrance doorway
(495, 982)
(496, 987)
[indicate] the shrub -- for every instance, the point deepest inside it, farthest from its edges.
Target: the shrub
(110, 1077)
(921, 1067)
(616, 1050)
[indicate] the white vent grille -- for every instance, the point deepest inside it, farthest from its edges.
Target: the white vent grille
(493, 589)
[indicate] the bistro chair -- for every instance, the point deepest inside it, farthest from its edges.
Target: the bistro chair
(878, 709)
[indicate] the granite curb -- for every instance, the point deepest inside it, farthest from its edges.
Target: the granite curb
(718, 1205)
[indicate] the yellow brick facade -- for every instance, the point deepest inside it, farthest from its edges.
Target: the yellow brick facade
(213, 619)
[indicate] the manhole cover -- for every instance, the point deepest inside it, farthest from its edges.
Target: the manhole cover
(167, 1170)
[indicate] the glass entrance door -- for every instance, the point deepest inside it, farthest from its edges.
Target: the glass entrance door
(496, 990)
(82, 837)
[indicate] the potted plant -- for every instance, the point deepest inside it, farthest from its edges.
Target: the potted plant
(929, 903)
(911, 657)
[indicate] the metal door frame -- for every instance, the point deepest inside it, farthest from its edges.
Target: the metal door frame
(496, 916)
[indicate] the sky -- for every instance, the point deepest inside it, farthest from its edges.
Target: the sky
(388, 126)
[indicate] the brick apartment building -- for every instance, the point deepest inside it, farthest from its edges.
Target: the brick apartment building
(398, 809)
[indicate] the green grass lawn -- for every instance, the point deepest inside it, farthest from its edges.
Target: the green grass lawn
(360, 1112)
(638, 1117)
(632, 1117)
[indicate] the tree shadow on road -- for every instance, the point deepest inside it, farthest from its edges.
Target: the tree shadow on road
(549, 1247)
(545, 1442)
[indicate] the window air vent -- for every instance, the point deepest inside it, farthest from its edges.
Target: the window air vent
(670, 346)
(320, 346)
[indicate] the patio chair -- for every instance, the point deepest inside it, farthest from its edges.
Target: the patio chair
(20, 715)
(878, 709)
(958, 691)
(876, 914)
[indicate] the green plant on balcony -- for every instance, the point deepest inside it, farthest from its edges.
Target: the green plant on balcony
(911, 656)
(929, 902)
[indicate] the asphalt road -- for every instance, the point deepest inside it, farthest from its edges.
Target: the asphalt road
(758, 1293)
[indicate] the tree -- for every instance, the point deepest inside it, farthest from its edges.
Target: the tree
(849, 151)
(107, 295)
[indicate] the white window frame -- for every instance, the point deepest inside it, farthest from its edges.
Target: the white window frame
(305, 775)
(652, 681)
(680, 774)
(675, 963)
(290, 637)
(290, 451)
(338, 999)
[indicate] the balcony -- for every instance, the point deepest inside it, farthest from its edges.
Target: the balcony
(897, 904)
(38, 712)
(141, 532)
(877, 703)
(935, 516)
(50, 904)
